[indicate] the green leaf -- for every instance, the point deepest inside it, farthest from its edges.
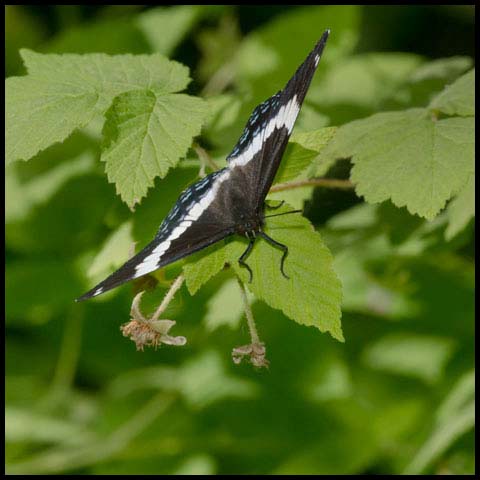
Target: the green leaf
(203, 380)
(22, 198)
(204, 265)
(165, 28)
(418, 356)
(462, 209)
(110, 35)
(114, 252)
(28, 426)
(146, 134)
(64, 92)
(273, 42)
(454, 418)
(225, 307)
(407, 157)
(302, 149)
(312, 295)
(363, 80)
(39, 289)
(457, 98)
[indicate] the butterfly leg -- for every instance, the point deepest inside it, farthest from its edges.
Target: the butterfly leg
(271, 207)
(279, 245)
(245, 254)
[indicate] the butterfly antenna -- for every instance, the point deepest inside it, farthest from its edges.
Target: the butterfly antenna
(283, 213)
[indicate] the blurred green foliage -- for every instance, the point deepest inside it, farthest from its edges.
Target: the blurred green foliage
(396, 397)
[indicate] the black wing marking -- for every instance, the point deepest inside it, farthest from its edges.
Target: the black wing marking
(209, 210)
(194, 223)
(265, 137)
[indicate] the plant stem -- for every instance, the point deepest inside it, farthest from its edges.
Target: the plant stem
(169, 297)
(248, 313)
(67, 359)
(204, 157)
(320, 182)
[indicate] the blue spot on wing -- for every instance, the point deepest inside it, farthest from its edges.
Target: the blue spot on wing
(186, 201)
(256, 123)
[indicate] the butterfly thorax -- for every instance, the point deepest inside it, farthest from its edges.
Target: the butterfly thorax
(249, 225)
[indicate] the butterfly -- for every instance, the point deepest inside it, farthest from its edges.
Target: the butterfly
(231, 200)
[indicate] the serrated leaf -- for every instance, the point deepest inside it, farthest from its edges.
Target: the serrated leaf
(407, 157)
(204, 265)
(64, 92)
(312, 295)
(457, 98)
(462, 209)
(145, 134)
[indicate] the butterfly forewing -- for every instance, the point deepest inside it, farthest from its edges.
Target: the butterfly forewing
(212, 208)
(263, 142)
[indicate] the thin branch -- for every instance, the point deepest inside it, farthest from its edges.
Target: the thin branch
(220, 80)
(168, 297)
(254, 351)
(318, 182)
(248, 313)
(205, 158)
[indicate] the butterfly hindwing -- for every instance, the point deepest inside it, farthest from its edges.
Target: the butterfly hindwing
(195, 222)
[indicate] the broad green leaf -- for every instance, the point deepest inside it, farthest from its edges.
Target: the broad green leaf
(458, 98)
(225, 307)
(462, 209)
(64, 92)
(312, 295)
(441, 68)
(428, 80)
(114, 252)
(165, 27)
(204, 265)
(407, 157)
(363, 80)
(301, 151)
(145, 134)
(418, 356)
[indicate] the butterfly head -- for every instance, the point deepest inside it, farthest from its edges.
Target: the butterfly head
(250, 224)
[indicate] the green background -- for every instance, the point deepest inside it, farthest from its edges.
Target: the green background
(396, 397)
